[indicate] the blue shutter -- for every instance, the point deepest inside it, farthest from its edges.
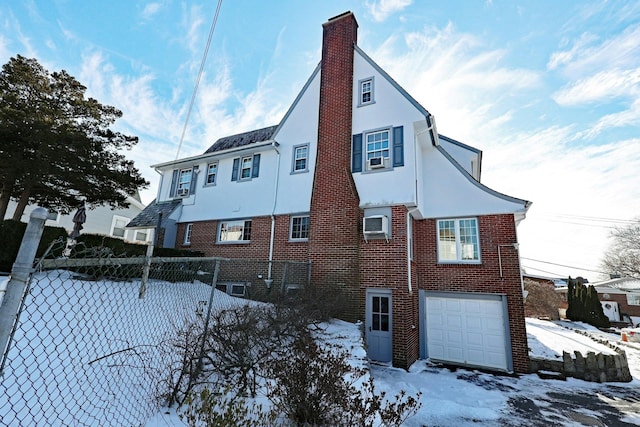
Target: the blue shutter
(398, 146)
(356, 153)
(174, 183)
(255, 167)
(194, 179)
(234, 172)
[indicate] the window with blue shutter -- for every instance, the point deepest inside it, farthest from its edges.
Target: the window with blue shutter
(236, 167)
(356, 153)
(256, 166)
(174, 183)
(245, 168)
(398, 146)
(194, 179)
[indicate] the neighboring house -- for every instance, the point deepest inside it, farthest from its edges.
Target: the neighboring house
(356, 179)
(618, 297)
(101, 220)
(552, 282)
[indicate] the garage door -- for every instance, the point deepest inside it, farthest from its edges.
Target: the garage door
(467, 329)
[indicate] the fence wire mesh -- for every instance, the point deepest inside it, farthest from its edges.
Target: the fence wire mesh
(94, 341)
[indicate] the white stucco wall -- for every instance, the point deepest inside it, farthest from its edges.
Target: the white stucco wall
(391, 109)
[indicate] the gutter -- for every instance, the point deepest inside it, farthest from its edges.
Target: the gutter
(187, 160)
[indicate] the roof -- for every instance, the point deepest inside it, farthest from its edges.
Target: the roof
(624, 283)
(241, 139)
(149, 215)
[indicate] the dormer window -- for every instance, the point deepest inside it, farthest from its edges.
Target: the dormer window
(366, 92)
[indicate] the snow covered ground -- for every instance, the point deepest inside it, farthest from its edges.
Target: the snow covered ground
(461, 397)
(450, 397)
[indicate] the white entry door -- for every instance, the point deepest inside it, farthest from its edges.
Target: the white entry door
(378, 332)
(468, 329)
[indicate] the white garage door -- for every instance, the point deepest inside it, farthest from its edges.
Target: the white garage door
(467, 329)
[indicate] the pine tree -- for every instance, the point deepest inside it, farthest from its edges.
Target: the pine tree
(56, 145)
(584, 305)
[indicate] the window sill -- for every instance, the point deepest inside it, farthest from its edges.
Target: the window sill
(298, 240)
(239, 242)
(459, 262)
(364, 104)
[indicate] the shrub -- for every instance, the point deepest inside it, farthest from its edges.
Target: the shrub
(316, 386)
(12, 233)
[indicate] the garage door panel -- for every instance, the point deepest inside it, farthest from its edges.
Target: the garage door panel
(454, 321)
(467, 330)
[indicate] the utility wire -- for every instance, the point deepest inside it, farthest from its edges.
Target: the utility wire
(563, 265)
(195, 89)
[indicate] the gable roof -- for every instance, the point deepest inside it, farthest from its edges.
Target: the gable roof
(241, 139)
(149, 215)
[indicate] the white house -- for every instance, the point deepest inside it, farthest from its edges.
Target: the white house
(356, 179)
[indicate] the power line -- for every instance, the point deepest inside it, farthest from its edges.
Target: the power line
(563, 265)
(195, 89)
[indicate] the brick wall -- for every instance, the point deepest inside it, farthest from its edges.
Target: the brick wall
(334, 241)
(494, 230)
(384, 265)
(204, 238)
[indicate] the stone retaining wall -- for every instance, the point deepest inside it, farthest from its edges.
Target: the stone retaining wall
(594, 367)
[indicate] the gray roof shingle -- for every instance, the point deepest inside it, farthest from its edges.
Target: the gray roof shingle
(149, 215)
(246, 138)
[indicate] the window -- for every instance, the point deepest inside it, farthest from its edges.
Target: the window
(245, 168)
(633, 299)
(184, 181)
(245, 172)
(458, 240)
(377, 146)
(187, 234)
(366, 92)
(300, 227)
(300, 158)
(141, 236)
(118, 226)
(212, 172)
(234, 231)
(377, 150)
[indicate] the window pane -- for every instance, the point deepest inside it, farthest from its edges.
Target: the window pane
(246, 167)
(384, 322)
(447, 240)
(468, 239)
(233, 231)
(300, 227)
(378, 144)
(375, 322)
(212, 171)
(184, 181)
(384, 305)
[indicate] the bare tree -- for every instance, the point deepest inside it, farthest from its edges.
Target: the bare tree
(623, 256)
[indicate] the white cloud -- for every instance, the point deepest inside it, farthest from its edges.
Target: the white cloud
(150, 9)
(603, 86)
(621, 51)
(381, 9)
(453, 75)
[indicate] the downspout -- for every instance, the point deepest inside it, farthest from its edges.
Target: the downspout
(409, 249)
(268, 281)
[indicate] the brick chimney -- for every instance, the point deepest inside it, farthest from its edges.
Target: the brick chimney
(334, 240)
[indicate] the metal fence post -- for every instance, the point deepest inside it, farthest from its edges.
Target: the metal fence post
(11, 303)
(206, 322)
(145, 272)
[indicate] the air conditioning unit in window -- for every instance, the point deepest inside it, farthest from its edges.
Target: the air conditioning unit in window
(376, 162)
(183, 192)
(375, 225)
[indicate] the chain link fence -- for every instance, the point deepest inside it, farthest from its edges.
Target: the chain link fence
(93, 340)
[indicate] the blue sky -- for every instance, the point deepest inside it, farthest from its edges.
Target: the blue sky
(548, 90)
